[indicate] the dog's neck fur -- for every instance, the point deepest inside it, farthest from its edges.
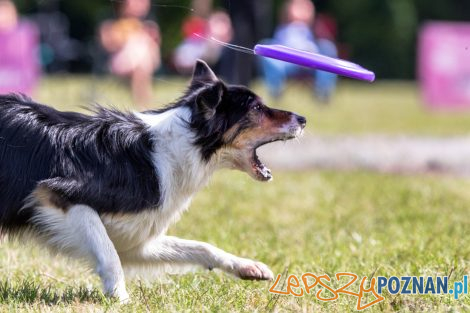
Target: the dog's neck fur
(179, 165)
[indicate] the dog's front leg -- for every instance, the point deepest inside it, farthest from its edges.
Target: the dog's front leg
(171, 250)
(79, 232)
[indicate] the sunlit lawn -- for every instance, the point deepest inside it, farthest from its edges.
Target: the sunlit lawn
(320, 222)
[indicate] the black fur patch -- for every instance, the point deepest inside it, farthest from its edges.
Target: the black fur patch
(103, 161)
(232, 110)
(227, 110)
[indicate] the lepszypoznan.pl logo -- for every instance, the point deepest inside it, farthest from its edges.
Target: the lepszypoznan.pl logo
(406, 285)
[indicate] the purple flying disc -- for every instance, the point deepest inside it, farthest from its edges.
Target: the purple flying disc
(314, 60)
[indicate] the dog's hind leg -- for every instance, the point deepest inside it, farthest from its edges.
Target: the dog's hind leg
(173, 250)
(79, 232)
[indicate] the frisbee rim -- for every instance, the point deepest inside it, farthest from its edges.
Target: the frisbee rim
(315, 60)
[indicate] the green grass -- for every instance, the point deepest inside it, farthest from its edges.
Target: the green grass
(320, 222)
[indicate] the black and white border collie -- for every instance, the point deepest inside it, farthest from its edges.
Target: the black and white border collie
(106, 187)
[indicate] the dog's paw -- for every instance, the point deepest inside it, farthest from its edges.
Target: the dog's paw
(252, 270)
(120, 294)
(123, 298)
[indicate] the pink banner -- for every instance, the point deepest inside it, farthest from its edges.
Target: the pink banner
(19, 61)
(444, 64)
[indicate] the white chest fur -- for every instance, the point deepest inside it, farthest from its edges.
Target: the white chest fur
(181, 173)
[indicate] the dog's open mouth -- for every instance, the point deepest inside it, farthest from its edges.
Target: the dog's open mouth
(260, 171)
(245, 157)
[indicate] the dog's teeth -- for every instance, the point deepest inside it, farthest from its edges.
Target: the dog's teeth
(266, 172)
(261, 170)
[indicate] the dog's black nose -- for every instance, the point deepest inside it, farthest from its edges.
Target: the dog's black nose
(302, 121)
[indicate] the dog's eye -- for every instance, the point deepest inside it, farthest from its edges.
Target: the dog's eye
(257, 107)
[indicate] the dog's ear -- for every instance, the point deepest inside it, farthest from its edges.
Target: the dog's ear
(209, 98)
(203, 74)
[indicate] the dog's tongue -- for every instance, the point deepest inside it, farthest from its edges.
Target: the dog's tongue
(261, 170)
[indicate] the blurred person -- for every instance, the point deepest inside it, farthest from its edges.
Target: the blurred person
(325, 27)
(251, 22)
(296, 32)
(197, 44)
(19, 62)
(58, 49)
(134, 45)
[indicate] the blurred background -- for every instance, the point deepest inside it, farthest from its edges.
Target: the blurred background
(380, 35)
